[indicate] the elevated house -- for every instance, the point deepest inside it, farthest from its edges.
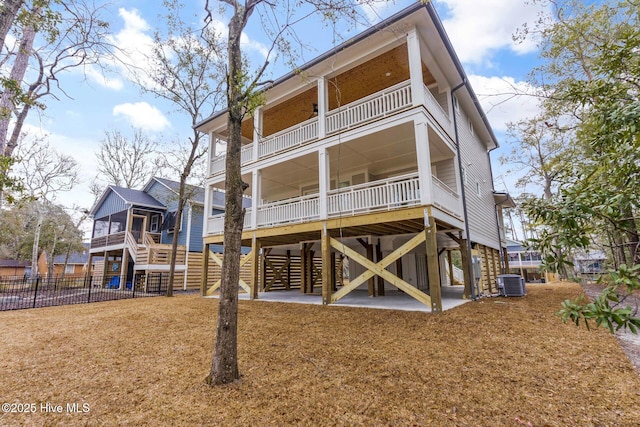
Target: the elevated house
(376, 152)
(133, 231)
(525, 261)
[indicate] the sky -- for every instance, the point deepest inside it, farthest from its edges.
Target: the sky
(480, 31)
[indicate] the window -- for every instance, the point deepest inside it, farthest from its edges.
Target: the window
(170, 222)
(456, 107)
(69, 269)
(471, 127)
(478, 192)
(155, 223)
(463, 172)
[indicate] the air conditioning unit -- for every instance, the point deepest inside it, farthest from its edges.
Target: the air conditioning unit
(511, 285)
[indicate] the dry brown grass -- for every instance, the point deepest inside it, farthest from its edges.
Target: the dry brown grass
(496, 362)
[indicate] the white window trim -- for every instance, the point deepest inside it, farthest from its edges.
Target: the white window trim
(154, 225)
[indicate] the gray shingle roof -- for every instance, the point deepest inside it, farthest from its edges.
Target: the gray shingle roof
(74, 257)
(136, 197)
(195, 193)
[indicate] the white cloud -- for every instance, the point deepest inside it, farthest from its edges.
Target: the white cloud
(504, 99)
(142, 115)
(253, 45)
(133, 45)
(476, 28)
(375, 11)
(103, 80)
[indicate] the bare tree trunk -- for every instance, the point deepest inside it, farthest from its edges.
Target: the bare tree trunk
(50, 257)
(8, 13)
(632, 237)
(224, 368)
(174, 241)
(17, 74)
(36, 242)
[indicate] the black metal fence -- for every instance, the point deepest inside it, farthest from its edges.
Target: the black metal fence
(19, 292)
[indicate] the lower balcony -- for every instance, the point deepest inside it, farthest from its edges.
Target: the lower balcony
(383, 195)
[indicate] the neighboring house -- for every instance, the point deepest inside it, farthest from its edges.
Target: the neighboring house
(376, 151)
(15, 268)
(527, 263)
(133, 230)
(73, 265)
(592, 262)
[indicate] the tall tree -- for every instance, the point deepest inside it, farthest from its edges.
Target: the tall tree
(127, 162)
(8, 13)
(542, 150)
(54, 37)
(184, 69)
(592, 72)
(279, 20)
(44, 172)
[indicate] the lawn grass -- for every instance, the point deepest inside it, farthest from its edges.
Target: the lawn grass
(495, 362)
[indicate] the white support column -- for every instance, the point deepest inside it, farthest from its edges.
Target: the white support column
(257, 132)
(207, 210)
(212, 151)
(323, 103)
(256, 196)
(424, 162)
(415, 67)
(323, 181)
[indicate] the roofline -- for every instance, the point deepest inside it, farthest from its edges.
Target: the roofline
(127, 202)
(158, 180)
(99, 201)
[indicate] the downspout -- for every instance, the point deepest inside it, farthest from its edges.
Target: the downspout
(474, 286)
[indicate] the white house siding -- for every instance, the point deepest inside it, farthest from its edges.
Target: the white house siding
(480, 209)
(445, 172)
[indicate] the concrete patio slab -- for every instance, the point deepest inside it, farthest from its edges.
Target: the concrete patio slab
(393, 299)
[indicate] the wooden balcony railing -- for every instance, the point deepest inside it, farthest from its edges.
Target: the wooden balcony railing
(108, 240)
(150, 252)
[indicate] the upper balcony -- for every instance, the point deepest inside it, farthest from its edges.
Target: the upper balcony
(362, 95)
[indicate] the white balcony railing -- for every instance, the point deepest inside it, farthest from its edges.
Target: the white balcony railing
(444, 197)
(372, 107)
(372, 196)
(437, 112)
(298, 209)
(288, 138)
(246, 154)
(218, 163)
(389, 194)
(215, 224)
